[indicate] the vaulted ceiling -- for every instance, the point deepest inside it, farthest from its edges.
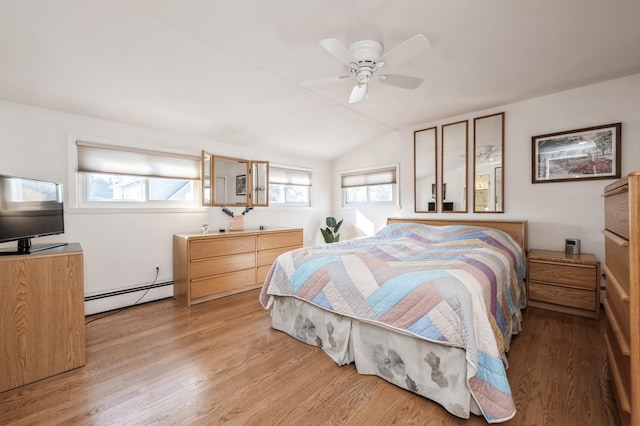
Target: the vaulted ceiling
(232, 70)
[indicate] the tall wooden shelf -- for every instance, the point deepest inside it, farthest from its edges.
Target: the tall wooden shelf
(41, 315)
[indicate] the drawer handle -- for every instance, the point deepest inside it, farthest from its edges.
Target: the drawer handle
(624, 345)
(617, 191)
(616, 239)
(617, 287)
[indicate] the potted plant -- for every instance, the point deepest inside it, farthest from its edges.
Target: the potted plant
(330, 233)
(236, 223)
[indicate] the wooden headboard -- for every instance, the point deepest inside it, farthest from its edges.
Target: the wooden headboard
(517, 229)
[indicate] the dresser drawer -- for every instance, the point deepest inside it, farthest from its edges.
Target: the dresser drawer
(617, 261)
(616, 212)
(572, 275)
(222, 246)
(280, 239)
(267, 257)
(620, 368)
(565, 296)
(222, 264)
(225, 283)
(263, 271)
(617, 307)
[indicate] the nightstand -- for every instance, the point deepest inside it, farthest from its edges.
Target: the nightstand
(564, 282)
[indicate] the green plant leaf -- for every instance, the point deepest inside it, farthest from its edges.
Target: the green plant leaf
(336, 228)
(331, 221)
(327, 235)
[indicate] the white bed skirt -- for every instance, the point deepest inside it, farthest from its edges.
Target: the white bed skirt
(435, 371)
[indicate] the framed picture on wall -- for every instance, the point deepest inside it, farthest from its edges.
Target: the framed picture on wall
(582, 154)
(241, 185)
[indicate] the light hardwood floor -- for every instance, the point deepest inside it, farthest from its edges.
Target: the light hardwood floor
(220, 363)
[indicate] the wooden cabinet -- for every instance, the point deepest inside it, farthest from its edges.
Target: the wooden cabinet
(564, 282)
(622, 301)
(210, 266)
(41, 315)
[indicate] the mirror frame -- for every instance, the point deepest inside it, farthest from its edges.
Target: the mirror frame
(207, 175)
(205, 178)
(416, 163)
(256, 187)
(464, 180)
(497, 195)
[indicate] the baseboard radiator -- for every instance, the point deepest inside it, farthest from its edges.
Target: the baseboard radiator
(127, 290)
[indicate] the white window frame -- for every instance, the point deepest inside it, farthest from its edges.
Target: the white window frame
(76, 194)
(296, 177)
(370, 176)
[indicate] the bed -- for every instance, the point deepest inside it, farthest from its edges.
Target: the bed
(428, 305)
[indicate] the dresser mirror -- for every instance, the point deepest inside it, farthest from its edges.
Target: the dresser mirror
(205, 174)
(260, 183)
(488, 162)
(453, 186)
(229, 181)
(425, 170)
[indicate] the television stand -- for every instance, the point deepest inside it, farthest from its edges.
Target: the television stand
(33, 248)
(42, 311)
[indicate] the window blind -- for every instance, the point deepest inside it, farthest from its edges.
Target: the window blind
(118, 160)
(282, 176)
(382, 176)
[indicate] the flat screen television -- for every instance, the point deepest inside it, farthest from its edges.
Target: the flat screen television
(29, 208)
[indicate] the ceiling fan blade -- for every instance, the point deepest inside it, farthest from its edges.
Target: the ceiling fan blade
(407, 49)
(402, 81)
(337, 49)
(319, 81)
(358, 93)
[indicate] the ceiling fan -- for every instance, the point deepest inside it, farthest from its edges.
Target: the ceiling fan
(366, 57)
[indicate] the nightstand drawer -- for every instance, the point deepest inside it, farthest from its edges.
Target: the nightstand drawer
(573, 275)
(564, 296)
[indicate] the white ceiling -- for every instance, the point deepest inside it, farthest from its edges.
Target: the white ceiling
(231, 70)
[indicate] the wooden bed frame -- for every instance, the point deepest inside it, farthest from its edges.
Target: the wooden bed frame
(517, 229)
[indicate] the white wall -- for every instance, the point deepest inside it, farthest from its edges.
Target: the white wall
(554, 210)
(121, 249)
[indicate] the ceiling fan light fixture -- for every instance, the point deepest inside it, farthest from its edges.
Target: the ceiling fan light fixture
(364, 58)
(366, 50)
(485, 150)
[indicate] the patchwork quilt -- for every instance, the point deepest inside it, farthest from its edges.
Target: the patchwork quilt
(455, 285)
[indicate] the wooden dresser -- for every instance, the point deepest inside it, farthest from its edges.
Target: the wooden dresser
(622, 301)
(41, 315)
(218, 264)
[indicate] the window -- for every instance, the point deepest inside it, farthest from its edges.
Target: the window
(370, 187)
(289, 187)
(115, 176)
